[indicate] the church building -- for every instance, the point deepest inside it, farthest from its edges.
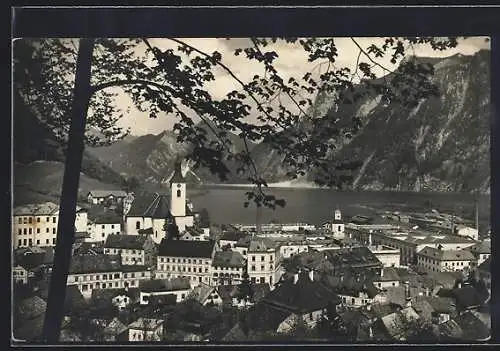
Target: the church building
(148, 214)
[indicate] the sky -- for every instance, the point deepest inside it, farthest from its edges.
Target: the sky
(292, 61)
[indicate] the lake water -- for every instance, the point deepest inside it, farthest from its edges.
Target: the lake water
(315, 206)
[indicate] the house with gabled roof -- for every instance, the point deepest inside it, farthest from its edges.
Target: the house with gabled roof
(116, 330)
(191, 259)
(431, 259)
(181, 288)
(464, 327)
(101, 196)
(481, 251)
(146, 329)
(300, 297)
(133, 249)
(206, 295)
(227, 267)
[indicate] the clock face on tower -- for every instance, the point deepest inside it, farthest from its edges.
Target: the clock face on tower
(178, 185)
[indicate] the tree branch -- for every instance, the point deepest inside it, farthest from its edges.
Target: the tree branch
(370, 58)
(256, 45)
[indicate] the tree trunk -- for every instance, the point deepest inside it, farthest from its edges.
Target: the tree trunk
(67, 210)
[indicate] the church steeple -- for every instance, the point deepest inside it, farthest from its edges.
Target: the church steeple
(178, 192)
(177, 177)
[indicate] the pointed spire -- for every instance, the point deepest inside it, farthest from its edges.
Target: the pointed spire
(177, 177)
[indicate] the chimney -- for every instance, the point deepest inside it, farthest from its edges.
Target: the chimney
(295, 278)
(311, 274)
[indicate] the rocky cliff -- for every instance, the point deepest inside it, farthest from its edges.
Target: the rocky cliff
(441, 145)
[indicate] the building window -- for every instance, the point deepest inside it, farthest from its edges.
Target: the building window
(138, 225)
(85, 287)
(262, 258)
(20, 220)
(178, 193)
(30, 220)
(47, 230)
(19, 242)
(38, 241)
(25, 231)
(262, 267)
(38, 230)
(53, 241)
(30, 242)
(30, 230)
(252, 268)
(53, 230)
(199, 269)
(262, 280)
(20, 231)
(112, 226)
(253, 258)
(47, 241)
(53, 219)
(48, 219)
(310, 316)
(38, 219)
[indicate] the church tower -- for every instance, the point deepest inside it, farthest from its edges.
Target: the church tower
(338, 228)
(178, 192)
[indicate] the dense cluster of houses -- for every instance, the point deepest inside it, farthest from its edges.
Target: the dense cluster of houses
(373, 275)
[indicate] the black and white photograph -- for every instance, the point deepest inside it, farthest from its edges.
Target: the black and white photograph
(189, 190)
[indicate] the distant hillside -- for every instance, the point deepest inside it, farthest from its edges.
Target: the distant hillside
(39, 160)
(442, 145)
(42, 180)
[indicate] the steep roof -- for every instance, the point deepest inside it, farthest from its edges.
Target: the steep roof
(391, 322)
(446, 255)
(388, 274)
(94, 264)
(103, 216)
(468, 296)
(262, 316)
(186, 248)
(146, 324)
(106, 193)
(122, 241)
(351, 285)
(227, 292)
(150, 206)
(157, 285)
(115, 327)
(261, 245)
(304, 296)
(465, 327)
(483, 247)
(202, 292)
(486, 265)
(177, 177)
(228, 259)
(40, 209)
(232, 236)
